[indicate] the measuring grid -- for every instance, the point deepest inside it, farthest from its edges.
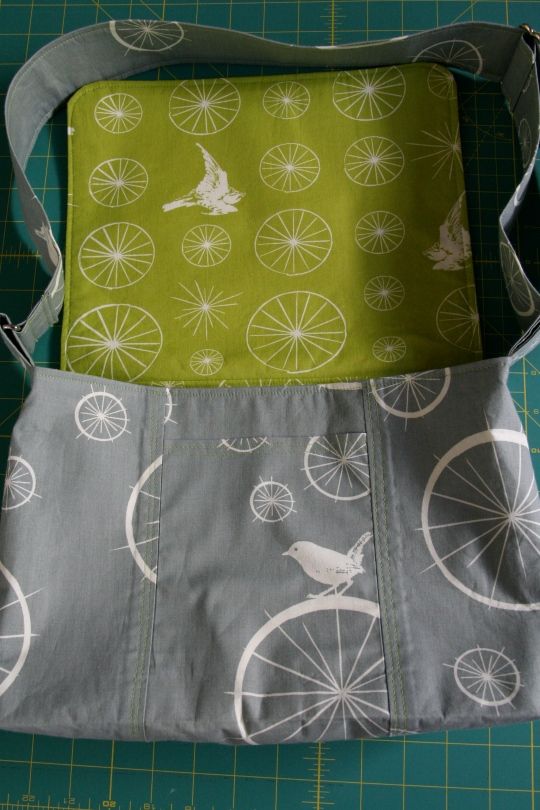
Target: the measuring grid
(495, 769)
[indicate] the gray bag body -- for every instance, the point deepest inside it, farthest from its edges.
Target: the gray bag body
(277, 564)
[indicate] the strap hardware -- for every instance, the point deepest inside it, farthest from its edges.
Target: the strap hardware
(530, 30)
(6, 324)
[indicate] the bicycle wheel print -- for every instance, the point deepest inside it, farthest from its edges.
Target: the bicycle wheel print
(101, 416)
(144, 500)
(117, 182)
(483, 531)
(373, 161)
(338, 466)
(289, 678)
(286, 100)
(384, 293)
(488, 677)
(293, 242)
(205, 106)
(206, 362)
(441, 83)
(119, 341)
(518, 287)
(206, 245)
(453, 51)
(271, 501)
(116, 255)
(244, 445)
(147, 35)
(369, 95)
(19, 483)
(389, 349)
(458, 321)
(15, 641)
(296, 332)
(118, 113)
(289, 167)
(411, 396)
(379, 232)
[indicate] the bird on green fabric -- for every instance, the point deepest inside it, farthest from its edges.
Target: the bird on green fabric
(327, 566)
(213, 192)
(453, 250)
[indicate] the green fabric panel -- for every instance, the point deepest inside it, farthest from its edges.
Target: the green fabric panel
(268, 229)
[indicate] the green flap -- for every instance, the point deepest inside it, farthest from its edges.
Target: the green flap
(268, 229)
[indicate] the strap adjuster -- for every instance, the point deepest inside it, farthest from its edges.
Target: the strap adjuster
(530, 31)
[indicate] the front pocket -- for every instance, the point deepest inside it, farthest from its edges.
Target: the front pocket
(267, 618)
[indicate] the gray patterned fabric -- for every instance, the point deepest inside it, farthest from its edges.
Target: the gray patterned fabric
(264, 565)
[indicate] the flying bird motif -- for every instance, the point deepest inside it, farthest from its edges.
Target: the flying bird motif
(453, 249)
(328, 566)
(212, 193)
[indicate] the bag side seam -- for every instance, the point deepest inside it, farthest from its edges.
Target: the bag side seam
(151, 626)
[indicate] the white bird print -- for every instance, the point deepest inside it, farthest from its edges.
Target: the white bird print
(212, 193)
(454, 246)
(330, 567)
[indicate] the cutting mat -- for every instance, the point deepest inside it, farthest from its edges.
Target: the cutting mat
(495, 769)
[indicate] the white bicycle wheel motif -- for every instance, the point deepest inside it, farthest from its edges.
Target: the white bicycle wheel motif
(19, 483)
(271, 502)
(442, 149)
(293, 242)
(143, 501)
(373, 161)
(206, 245)
(296, 332)
(525, 139)
(384, 293)
(369, 95)
(101, 416)
(338, 466)
(204, 106)
(147, 35)
(487, 676)
(411, 396)
(458, 320)
(482, 530)
(290, 677)
(244, 445)
(389, 349)
(117, 182)
(118, 113)
(289, 167)
(120, 341)
(441, 82)
(206, 362)
(15, 642)
(457, 52)
(518, 287)
(116, 255)
(286, 100)
(379, 232)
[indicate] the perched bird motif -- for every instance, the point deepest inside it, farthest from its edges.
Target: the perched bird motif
(454, 246)
(330, 567)
(212, 193)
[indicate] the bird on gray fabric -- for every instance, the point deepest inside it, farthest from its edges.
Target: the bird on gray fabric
(453, 249)
(327, 566)
(213, 192)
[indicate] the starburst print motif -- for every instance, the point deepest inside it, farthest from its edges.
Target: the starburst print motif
(203, 308)
(442, 149)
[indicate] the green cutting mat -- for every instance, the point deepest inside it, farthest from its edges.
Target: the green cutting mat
(491, 769)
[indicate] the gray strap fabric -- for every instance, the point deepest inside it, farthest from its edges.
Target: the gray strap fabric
(54, 73)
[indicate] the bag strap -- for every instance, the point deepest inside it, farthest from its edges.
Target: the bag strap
(118, 49)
